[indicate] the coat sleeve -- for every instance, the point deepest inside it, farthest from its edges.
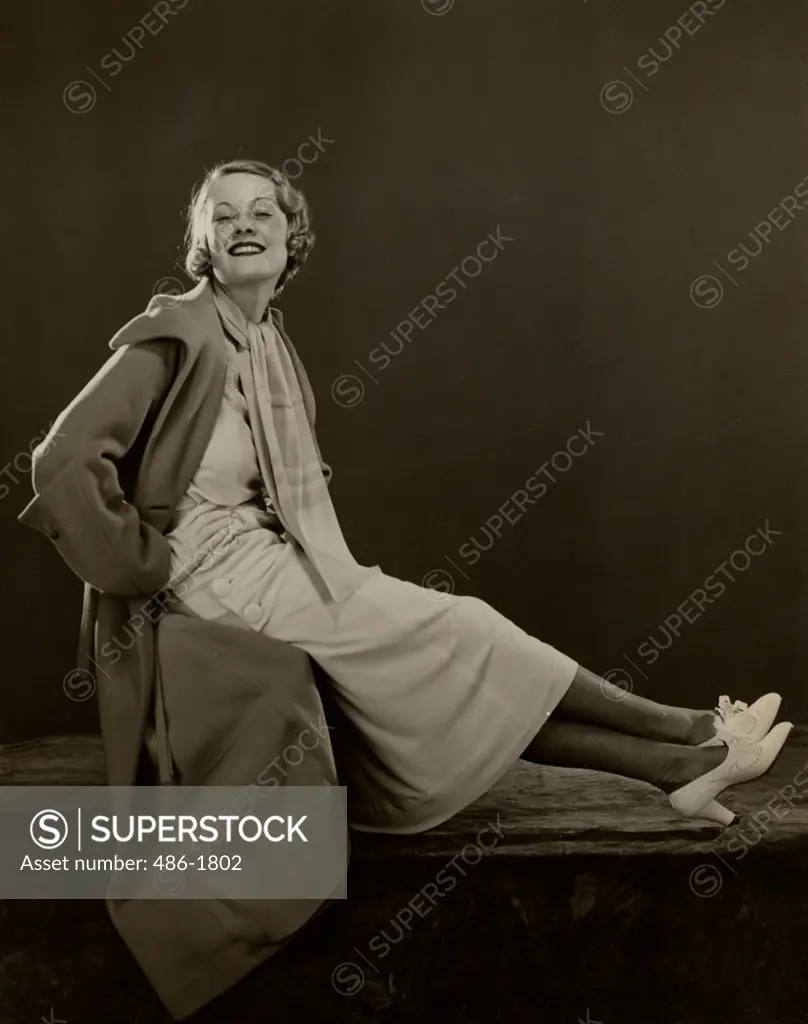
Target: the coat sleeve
(79, 503)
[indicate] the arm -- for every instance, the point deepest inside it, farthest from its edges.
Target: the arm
(79, 503)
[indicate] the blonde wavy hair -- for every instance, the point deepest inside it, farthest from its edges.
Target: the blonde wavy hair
(300, 235)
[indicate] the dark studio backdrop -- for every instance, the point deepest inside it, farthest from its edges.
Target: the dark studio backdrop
(587, 429)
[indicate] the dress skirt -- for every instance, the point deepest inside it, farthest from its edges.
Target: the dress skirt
(442, 692)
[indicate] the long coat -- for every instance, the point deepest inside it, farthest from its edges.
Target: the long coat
(209, 704)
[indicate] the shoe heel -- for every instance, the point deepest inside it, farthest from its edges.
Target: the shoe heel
(713, 811)
(717, 812)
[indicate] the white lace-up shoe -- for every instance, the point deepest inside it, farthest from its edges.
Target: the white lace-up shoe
(742, 721)
(745, 760)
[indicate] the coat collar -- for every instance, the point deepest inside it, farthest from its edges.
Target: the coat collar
(193, 319)
(176, 316)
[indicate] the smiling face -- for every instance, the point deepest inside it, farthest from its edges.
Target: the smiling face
(246, 229)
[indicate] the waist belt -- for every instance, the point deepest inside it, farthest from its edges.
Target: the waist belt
(260, 501)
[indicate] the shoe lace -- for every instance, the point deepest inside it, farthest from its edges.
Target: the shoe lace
(725, 711)
(726, 708)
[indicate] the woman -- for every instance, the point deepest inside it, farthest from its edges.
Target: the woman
(444, 692)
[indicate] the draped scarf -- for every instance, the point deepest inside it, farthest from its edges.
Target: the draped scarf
(288, 454)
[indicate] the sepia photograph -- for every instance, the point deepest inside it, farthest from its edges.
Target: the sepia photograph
(404, 443)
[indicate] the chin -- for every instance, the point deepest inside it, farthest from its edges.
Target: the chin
(250, 275)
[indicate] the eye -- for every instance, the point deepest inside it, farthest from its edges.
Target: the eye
(263, 213)
(220, 217)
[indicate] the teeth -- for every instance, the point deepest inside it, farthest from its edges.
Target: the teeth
(246, 248)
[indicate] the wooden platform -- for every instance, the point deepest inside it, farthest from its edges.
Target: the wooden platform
(541, 811)
(597, 904)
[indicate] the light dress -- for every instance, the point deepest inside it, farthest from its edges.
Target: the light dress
(440, 692)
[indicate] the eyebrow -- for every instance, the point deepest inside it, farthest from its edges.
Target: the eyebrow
(256, 199)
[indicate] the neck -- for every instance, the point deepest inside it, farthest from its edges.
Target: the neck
(252, 297)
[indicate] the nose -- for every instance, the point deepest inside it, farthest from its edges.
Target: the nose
(244, 224)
